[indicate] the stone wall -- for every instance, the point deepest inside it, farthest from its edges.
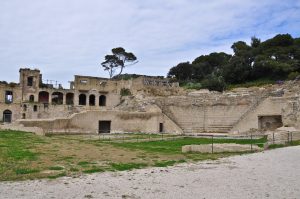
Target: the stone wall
(87, 122)
(269, 106)
(214, 113)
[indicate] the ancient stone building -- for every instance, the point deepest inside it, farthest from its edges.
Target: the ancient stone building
(90, 102)
(143, 104)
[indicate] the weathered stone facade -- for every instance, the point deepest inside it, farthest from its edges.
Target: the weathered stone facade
(144, 104)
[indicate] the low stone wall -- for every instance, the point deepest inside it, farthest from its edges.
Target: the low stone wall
(282, 137)
(121, 121)
(219, 148)
(18, 127)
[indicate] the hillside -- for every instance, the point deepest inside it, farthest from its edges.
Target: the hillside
(275, 59)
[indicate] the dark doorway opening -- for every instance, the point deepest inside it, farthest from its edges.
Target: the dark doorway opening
(24, 107)
(269, 122)
(70, 98)
(44, 97)
(82, 99)
(92, 100)
(31, 98)
(7, 115)
(161, 127)
(104, 126)
(102, 100)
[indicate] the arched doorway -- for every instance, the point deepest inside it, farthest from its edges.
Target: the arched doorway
(43, 97)
(102, 100)
(7, 116)
(92, 100)
(82, 99)
(57, 98)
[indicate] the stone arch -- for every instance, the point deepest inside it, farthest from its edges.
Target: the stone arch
(82, 99)
(57, 98)
(102, 100)
(92, 100)
(43, 97)
(7, 116)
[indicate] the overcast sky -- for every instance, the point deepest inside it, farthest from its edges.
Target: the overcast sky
(67, 37)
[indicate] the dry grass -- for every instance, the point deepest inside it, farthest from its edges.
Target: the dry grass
(28, 156)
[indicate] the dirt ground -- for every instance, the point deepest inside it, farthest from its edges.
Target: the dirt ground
(269, 174)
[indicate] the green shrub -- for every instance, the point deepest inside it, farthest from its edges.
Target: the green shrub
(293, 75)
(191, 85)
(125, 92)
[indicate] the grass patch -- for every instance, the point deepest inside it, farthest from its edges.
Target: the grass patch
(174, 146)
(18, 144)
(27, 156)
(168, 163)
(83, 163)
(275, 146)
(94, 170)
(165, 163)
(57, 176)
(74, 169)
(127, 166)
(26, 171)
(56, 168)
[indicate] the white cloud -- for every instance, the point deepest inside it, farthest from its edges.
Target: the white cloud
(67, 37)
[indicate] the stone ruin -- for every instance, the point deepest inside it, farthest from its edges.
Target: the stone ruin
(95, 105)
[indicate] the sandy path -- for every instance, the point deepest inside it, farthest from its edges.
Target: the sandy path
(270, 174)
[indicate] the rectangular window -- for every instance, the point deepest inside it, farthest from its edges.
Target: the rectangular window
(30, 81)
(8, 97)
(83, 81)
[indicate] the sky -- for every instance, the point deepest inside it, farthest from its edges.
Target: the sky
(64, 38)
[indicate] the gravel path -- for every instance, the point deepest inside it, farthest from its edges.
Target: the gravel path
(270, 174)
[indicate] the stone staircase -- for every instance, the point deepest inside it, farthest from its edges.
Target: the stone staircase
(251, 109)
(197, 119)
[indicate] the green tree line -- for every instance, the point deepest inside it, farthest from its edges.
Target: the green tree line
(277, 58)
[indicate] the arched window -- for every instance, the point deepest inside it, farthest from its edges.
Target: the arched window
(23, 116)
(7, 116)
(43, 97)
(102, 100)
(70, 98)
(31, 98)
(92, 100)
(57, 98)
(82, 99)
